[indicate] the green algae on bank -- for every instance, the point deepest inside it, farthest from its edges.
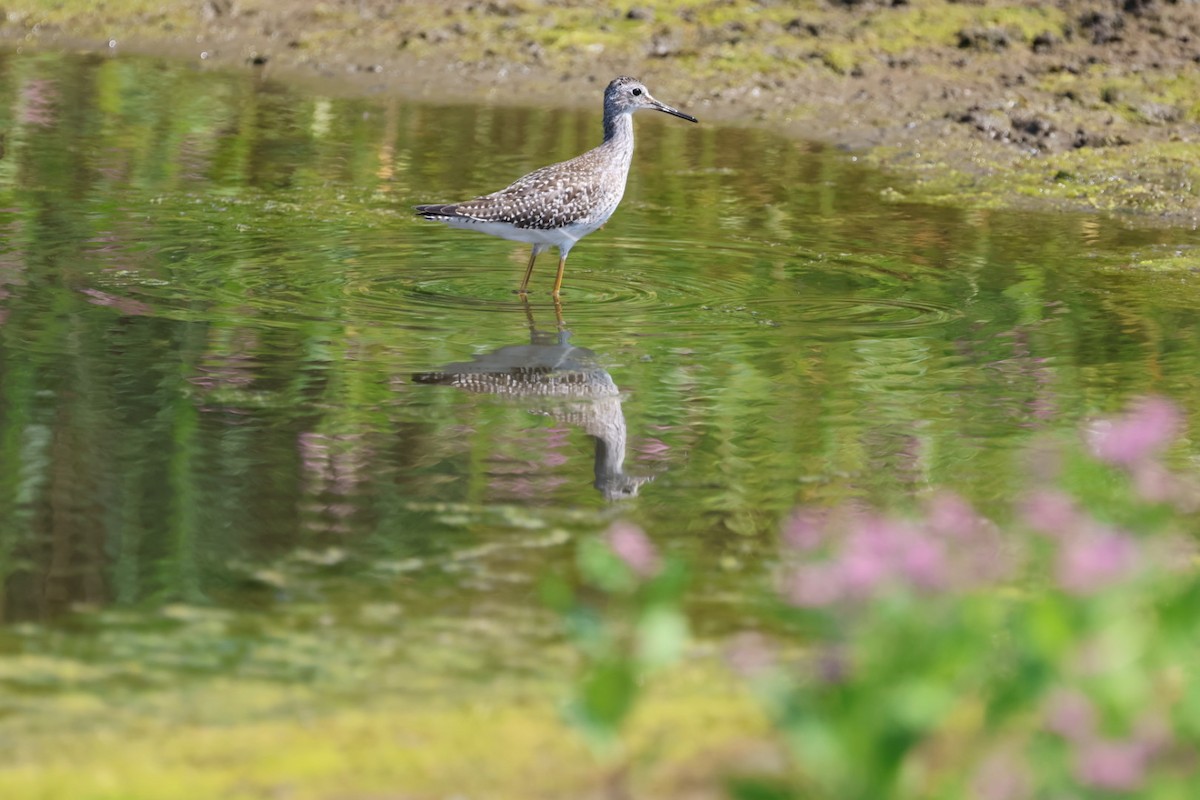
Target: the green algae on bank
(1157, 181)
(246, 737)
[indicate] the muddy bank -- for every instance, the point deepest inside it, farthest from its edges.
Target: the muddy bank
(1076, 104)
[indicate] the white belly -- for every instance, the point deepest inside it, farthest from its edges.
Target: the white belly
(562, 238)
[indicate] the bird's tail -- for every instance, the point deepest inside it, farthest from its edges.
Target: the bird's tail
(437, 211)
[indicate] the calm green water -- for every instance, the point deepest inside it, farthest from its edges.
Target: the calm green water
(214, 300)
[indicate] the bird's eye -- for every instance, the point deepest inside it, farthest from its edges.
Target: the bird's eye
(637, 92)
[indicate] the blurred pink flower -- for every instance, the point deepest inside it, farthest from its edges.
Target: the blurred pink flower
(1071, 715)
(925, 563)
(863, 554)
(1095, 559)
(1112, 765)
(1050, 512)
(1154, 483)
(832, 664)
(813, 586)
(874, 534)
(1002, 775)
(631, 544)
(950, 515)
(1145, 429)
(862, 572)
(1153, 732)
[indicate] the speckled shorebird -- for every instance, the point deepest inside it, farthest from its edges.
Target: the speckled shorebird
(560, 204)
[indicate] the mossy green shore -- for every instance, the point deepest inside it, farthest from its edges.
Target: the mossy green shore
(241, 738)
(355, 702)
(1080, 104)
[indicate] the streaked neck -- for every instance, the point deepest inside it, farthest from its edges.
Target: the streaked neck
(619, 128)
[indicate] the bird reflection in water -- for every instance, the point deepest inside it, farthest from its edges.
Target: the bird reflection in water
(555, 378)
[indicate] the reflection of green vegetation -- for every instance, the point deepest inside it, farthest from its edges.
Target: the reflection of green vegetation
(266, 250)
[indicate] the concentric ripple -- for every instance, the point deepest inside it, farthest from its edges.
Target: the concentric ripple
(636, 284)
(691, 287)
(873, 314)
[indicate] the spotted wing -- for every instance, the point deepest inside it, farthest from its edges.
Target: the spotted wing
(545, 199)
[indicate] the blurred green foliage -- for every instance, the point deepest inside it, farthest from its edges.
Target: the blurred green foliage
(625, 625)
(1032, 684)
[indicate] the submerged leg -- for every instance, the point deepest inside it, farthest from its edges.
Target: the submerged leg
(558, 317)
(529, 270)
(562, 262)
(528, 312)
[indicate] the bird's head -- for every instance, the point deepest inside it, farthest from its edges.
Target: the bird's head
(627, 95)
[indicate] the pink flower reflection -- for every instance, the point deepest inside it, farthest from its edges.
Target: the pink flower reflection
(650, 449)
(334, 470)
(40, 102)
(1141, 432)
(125, 305)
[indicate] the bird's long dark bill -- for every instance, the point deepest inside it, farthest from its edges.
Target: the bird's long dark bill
(674, 112)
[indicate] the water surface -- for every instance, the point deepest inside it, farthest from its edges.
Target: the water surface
(228, 349)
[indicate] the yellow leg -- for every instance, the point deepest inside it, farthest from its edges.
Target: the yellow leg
(562, 262)
(528, 271)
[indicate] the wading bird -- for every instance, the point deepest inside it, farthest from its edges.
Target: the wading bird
(560, 204)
